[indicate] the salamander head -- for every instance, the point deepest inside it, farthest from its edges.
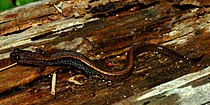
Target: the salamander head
(22, 56)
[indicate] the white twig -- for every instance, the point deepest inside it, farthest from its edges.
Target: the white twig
(75, 81)
(56, 7)
(4, 68)
(53, 83)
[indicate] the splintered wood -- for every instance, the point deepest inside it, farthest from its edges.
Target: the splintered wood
(104, 31)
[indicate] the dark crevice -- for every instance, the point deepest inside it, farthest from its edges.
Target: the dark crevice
(111, 9)
(16, 32)
(146, 103)
(40, 36)
(15, 90)
(91, 1)
(206, 103)
(185, 7)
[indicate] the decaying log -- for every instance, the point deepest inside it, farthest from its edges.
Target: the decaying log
(103, 31)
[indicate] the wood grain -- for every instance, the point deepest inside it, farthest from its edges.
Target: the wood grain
(101, 31)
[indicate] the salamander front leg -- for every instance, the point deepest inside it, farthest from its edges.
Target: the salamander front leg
(40, 69)
(39, 51)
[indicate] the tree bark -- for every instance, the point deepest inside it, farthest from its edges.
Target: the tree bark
(100, 30)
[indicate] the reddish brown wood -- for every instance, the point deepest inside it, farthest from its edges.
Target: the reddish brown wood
(119, 28)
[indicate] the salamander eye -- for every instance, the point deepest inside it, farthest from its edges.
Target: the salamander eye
(16, 50)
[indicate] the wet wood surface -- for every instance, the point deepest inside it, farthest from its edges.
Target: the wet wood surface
(102, 31)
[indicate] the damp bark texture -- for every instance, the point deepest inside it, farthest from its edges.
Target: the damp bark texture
(103, 30)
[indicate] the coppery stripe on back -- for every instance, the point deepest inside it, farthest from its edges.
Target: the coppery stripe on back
(88, 62)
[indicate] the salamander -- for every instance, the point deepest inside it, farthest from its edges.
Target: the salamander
(69, 59)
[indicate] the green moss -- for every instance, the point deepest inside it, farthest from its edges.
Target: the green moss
(7, 4)
(22, 2)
